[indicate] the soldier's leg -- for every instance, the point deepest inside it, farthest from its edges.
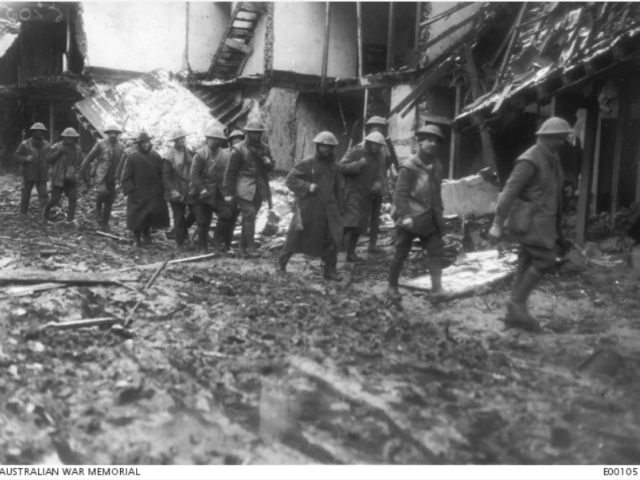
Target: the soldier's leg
(248, 226)
(354, 236)
(223, 212)
(102, 197)
(43, 195)
(233, 220)
(56, 195)
(108, 201)
(177, 210)
(71, 191)
(435, 248)
(25, 195)
(189, 221)
(203, 214)
(330, 256)
(404, 241)
(374, 226)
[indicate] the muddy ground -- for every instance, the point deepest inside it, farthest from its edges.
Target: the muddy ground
(228, 363)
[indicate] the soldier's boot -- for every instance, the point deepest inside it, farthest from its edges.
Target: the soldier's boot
(136, 236)
(219, 234)
(351, 248)
(395, 268)
(330, 263)
(282, 260)
(249, 231)
(202, 236)
(46, 210)
(146, 235)
(71, 211)
(99, 212)
(106, 217)
(517, 312)
(438, 294)
(374, 249)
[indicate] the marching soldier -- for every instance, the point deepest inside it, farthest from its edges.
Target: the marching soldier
(317, 228)
(418, 211)
(31, 154)
(207, 176)
(142, 184)
(235, 137)
(176, 175)
(530, 204)
(64, 158)
(363, 179)
(109, 153)
(247, 181)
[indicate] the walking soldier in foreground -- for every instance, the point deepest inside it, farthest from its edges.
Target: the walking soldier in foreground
(207, 175)
(316, 228)
(247, 181)
(65, 158)
(142, 183)
(363, 178)
(109, 153)
(418, 211)
(176, 170)
(530, 204)
(31, 154)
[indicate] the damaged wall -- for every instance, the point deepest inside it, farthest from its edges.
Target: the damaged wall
(401, 129)
(146, 36)
(255, 61)
(281, 121)
(299, 38)
(441, 26)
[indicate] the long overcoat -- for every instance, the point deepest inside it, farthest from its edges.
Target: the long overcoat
(37, 169)
(64, 161)
(207, 173)
(320, 210)
(142, 183)
(358, 182)
(176, 177)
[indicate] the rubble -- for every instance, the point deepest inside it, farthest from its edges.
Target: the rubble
(469, 196)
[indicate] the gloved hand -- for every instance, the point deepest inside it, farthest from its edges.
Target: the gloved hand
(313, 187)
(266, 160)
(29, 158)
(175, 196)
(362, 163)
(407, 222)
(376, 190)
(228, 199)
(494, 233)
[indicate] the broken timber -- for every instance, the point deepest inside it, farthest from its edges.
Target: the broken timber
(66, 278)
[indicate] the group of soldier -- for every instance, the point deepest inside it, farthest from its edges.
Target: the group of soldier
(335, 201)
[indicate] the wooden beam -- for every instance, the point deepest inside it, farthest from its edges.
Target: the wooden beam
(588, 157)
(512, 42)
(416, 40)
(438, 118)
(451, 29)
(244, 48)
(360, 46)
(624, 113)
(391, 33)
(446, 13)
(454, 152)
(488, 153)
(225, 35)
(51, 120)
(596, 166)
(325, 47)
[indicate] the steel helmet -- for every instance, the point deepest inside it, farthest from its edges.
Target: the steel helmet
(214, 132)
(430, 130)
(376, 121)
(326, 138)
(376, 137)
(236, 133)
(69, 132)
(142, 137)
(555, 126)
(38, 126)
(178, 133)
(255, 126)
(112, 128)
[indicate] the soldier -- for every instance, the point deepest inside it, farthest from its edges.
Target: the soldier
(531, 203)
(247, 181)
(31, 154)
(418, 211)
(64, 158)
(316, 182)
(176, 174)
(142, 184)
(235, 137)
(207, 176)
(378, 124)
(363, 179)
(109, 153)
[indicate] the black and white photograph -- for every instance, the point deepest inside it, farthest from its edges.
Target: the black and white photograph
(393, 234)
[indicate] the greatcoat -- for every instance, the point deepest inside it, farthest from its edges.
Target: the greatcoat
(176, 175)
(64, 163)
(37, 169)
(207, 173)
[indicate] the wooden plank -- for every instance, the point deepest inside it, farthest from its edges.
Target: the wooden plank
(588, 157)
(225, 35)
(514, 36)
(624, 113)
(454, 152)
(391, 33)
(244, 48)
(73, 278)
(437, 118)
(359, 15)
(596, 166)
(451, 29)
(444, 14)
(325, 47)
(416, 41)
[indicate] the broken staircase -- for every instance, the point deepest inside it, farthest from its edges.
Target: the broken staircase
(234, 48)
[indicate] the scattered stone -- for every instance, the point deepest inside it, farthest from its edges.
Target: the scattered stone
(560, 437)
(603, 362)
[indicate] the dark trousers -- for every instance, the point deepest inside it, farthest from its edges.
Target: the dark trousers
(404, 240)
(70, 189)
(542, 259)
(374, 222)
(25, 198)
(233, 220)
(183, 218)
(106, 195)
(329, 255)
(249, 211)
